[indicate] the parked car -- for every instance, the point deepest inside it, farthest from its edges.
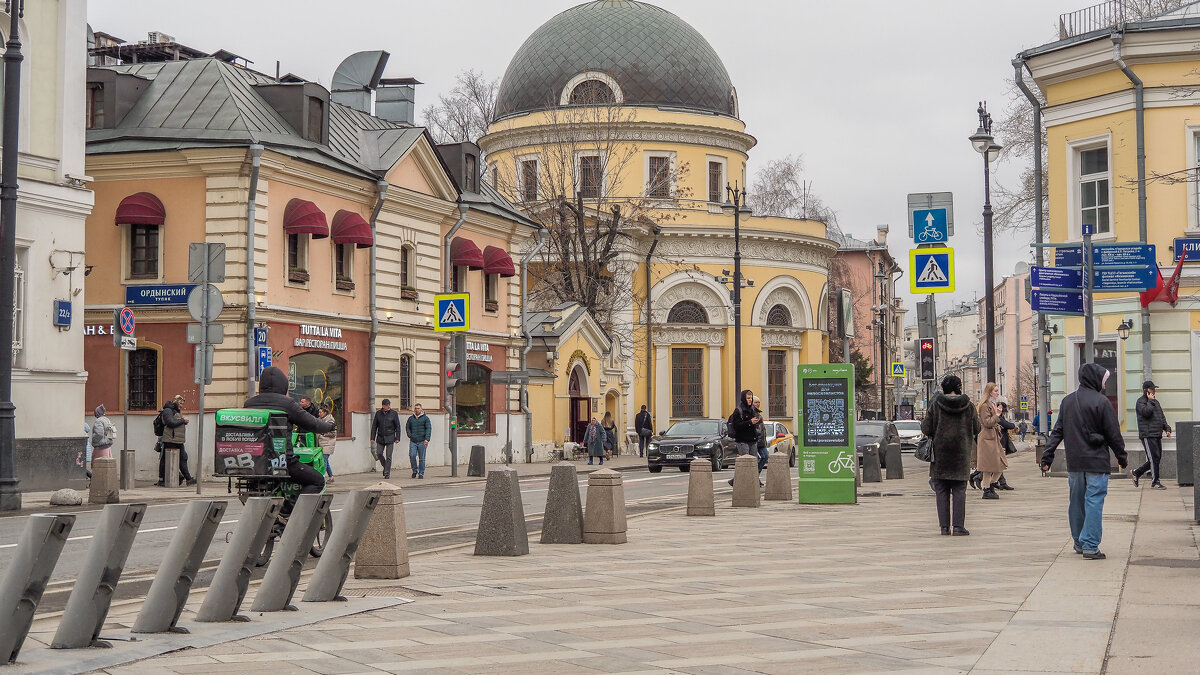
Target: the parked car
(779, 439)
(869, 433)
(910, 434)
(686, 440)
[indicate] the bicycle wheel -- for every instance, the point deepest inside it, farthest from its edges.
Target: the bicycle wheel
(318, 546)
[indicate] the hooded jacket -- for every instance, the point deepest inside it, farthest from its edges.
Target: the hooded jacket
(1088, 425)
(174, 433)
(103, 431)
(953, 425)
(742, 428)
(1151, 420)
(272, 395)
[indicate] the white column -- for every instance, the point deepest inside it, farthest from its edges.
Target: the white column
(715, 405)
(662, 388)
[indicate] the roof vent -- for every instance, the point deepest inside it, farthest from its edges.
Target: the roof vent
(356, 78)
(395, 99)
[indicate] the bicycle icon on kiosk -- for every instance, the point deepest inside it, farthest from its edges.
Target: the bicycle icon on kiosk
(844, 460)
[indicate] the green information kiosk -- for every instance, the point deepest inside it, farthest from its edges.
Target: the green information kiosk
(826, 456)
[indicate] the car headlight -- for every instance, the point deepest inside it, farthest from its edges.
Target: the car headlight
(652, 447)
(706, 446)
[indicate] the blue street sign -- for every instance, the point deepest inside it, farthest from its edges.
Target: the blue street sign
(452, 312)
(1124, 280)
(1189, 244)
(264, 359)
(260, 337)
(931, 270)
(929, 226)
(62, 313)
(157, 294)
(1123, 254)
(1057, 302)
(1068, 257)
(1056, 277)
(1088, 228)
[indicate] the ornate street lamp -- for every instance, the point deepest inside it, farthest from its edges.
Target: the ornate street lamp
(985, 144)
(735, 204)
(1123, 330)
(10, 498)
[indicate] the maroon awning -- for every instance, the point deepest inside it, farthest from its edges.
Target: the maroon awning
(301, 216)
(497, 261)
(351, 228)
(464, 253)
(142, 208)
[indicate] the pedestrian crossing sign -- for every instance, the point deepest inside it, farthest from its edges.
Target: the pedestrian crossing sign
(452, 312)
(931, 270)
(897, 369)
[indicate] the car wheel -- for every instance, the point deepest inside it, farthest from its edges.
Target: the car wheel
(684, 468)
(655, 469)
(716, 462)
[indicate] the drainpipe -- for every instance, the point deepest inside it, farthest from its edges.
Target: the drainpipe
(1039, 236)
(650, 325)
(255, 151)
(447, 282)
(541, 241)
(381, 186)
(1139, 103)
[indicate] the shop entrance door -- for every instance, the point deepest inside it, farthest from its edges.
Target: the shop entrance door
(580, 408)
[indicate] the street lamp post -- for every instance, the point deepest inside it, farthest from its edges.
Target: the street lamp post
(880, 277)
(10, 498)
(735, 203)
(985, 144)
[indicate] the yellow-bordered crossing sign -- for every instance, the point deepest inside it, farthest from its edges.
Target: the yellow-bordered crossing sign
(452, 312)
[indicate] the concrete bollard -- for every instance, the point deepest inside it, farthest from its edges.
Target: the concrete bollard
(604, 519)
(334, 566)
(171, 467)
(283, 572)
(477, 464)
(232, 578)
(745, 482)
(29, 570)
(1184, 466)
(894, 461)
(563, 520)
(502, 521)
(871, 472)
(105, 487)
(700, 501)
(92, 594)
(779, 479)
(171, 586)
(383, 551)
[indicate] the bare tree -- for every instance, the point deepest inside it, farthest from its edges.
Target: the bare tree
(780, 189)
(464, 114)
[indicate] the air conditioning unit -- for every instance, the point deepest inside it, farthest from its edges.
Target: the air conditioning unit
(156, 37)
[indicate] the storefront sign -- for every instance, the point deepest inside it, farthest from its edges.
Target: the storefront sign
(97, 329)
(479, 351)
(158, 294)
(827, 458)
(317, 337)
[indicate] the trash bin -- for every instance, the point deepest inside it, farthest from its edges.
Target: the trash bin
(871, 471)
(476, 466)
(1185, 439)
(250, 442)
(894, 461)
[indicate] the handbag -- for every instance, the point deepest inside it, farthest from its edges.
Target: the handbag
(924, 451)
(644, 432)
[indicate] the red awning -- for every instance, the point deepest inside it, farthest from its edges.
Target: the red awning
(464, 253)
(351, 228)
(497, 261)
(301, 216)
(142, 208)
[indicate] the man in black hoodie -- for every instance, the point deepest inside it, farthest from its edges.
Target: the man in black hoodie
(1088, 424)
(1151, 425)
(272, 395)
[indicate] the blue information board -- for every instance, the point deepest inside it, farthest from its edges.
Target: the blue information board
(157, 294)
(1125, 280)
(1189, 244)
(1057, 302)
(1055, 277)
(62, 313)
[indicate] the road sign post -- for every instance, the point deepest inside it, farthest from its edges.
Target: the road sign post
(206, 265)
(826, 457)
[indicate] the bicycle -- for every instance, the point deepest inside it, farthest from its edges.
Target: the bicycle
(930, 235)
(842, 461)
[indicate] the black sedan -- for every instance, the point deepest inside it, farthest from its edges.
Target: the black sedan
(688, 440)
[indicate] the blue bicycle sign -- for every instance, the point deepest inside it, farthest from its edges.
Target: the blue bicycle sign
(929, 226)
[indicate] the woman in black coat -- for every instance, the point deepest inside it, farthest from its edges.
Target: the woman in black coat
(953, 425)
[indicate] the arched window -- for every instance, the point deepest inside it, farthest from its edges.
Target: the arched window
(779, 316)
(592, 92)
(406, 382)
(687, 311)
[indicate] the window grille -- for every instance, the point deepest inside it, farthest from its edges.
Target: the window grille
(687, 383)
(779, 316)
(777, 405)
(687, 311)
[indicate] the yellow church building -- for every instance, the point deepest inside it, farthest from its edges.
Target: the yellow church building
(623, 104)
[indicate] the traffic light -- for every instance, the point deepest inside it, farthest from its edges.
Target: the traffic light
(927, 358)
(453, 375)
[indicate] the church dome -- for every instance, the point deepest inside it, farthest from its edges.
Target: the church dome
(643, 54)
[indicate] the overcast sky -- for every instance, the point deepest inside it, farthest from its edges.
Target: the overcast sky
(878, 102)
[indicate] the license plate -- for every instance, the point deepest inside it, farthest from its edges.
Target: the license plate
(676, 455)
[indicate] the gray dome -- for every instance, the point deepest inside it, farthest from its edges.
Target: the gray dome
(655, 57)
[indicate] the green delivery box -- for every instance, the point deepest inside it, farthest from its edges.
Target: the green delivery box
(249, 441)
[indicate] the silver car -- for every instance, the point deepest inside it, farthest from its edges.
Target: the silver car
(910, 434)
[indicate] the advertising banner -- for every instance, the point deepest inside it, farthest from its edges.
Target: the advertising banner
(826, 457)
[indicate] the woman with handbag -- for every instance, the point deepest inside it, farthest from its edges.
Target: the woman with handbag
(991, 459)
(952, 425)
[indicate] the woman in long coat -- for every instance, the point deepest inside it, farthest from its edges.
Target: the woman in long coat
(593, 439)
(991, 460)
(952, 425)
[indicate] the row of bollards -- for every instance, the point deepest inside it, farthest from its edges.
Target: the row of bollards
(701, 499)
(87, 607)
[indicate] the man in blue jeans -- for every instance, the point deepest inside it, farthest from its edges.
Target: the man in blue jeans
(419, 430)
(1088, 424)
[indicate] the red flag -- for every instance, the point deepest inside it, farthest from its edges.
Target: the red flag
(1171, 292)
(1151, 294)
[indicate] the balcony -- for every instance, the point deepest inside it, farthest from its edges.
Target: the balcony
(1105, 15)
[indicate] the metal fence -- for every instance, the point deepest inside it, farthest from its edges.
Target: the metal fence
(1097, 17)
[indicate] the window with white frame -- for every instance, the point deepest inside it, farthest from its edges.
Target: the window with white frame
(717, 179)
(590, 171)
(1094, 180)
(660, 183)
(527, 178)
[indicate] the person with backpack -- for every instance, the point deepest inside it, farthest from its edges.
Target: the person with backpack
(172, 423)
(103, 434)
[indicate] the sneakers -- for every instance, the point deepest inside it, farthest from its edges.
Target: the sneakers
(1078, 550)
(1136, 477)
(414, 474)
(191, 481)
(1158, 486)
(1094, 555)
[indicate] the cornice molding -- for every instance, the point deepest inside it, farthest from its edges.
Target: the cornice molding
(630, 132)
(783, 337)
(798, 250)
(675, 334)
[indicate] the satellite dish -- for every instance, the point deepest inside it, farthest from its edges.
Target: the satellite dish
(1021, 268)
(356, 77)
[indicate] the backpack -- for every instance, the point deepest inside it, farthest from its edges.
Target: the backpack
(97, 435)
(160, 427)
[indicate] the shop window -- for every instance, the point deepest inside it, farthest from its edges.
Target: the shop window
(322, 379)
(1106, 357)
(343, 266)
(406, 382)
(143, 251)
(472, 398)
(297, 258)
(143, 379)
(777, 406)
(687, 385)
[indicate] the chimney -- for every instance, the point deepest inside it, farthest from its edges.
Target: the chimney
(881, 235)
(395, 100)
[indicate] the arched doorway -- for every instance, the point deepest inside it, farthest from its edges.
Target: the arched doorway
(612, 405)
(581, 404)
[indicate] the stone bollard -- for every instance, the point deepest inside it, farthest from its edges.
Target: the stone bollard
(383, 551)
(171, 467)
(563, 521)
(477, 465)
(701, 501)
(502, 521)
(871, 472)
(105, 487)
(604, 520)
(779, 479)
(895, 462)
(745, 482)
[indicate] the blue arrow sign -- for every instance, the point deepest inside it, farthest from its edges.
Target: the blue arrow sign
(1068, 257)
(1056, 277)
(1125, 280)
(929, 226)
(1123, 254)
(1057, 302)
(1189, 244)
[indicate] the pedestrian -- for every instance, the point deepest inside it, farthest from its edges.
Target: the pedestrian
(307, 406)
(1088, 425)
(419, 430)
(990, 459)
(644, 424)
(743, 423)
(1023, 428)
(1006, 442)
(763, 451)
(327, 441)
(174, 436)
(385, 431)
(610, 434)
(103, 435)
(593, 440)
(952, 425)
(1151, 425)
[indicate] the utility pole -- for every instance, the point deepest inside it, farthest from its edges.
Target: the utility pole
(10, 498)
